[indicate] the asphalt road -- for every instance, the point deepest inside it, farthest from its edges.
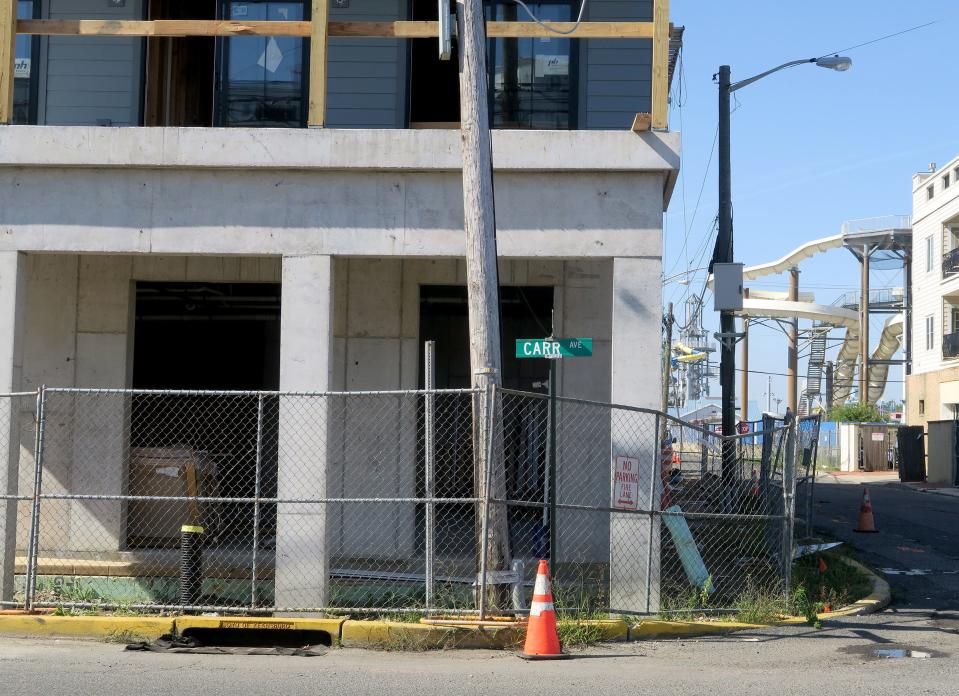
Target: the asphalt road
(916, 548)
(837, 659)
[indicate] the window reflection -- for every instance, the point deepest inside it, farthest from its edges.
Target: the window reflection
(531, 78)
(262, 79)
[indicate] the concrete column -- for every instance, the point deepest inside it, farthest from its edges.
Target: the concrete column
(636, 381)
(12, 296)
(100, 462)
(306, 340)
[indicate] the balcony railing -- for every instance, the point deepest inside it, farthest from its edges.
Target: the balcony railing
(950, 345)
(950, 262)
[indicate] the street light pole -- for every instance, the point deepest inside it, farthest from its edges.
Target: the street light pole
(723, 251)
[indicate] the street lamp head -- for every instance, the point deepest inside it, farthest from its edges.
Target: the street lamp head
(840, 63)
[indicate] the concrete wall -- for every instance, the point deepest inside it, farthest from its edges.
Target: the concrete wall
(78, 332)
(358, 193)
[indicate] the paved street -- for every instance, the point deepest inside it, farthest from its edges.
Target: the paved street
(917, 547)
(834, 660)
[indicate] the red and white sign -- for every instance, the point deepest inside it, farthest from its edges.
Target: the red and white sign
(626, 483)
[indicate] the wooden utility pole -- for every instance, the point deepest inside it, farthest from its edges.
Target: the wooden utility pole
(482, 279)
(792, 364)
(668, 320)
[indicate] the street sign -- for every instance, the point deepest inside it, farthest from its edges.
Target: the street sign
(554, 348)
(626, 483)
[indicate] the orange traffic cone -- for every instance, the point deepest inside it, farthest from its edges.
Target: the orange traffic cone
(542, 640)
(754, 487)
(867, 522)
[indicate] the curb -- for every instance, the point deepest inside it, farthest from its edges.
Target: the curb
(397, 635)
(120, 628)
(878, 598)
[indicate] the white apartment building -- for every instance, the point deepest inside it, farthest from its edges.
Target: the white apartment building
(932, 389)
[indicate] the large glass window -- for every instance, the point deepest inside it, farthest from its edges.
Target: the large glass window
(24, 84)
(532, 78)
(262, 79)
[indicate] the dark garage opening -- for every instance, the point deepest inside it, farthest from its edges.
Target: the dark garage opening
(203, 336)
(525, 312)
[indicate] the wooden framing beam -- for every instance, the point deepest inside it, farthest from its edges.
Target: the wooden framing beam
(660, 88)
(319, 28)
(8, 48)
(398, 29)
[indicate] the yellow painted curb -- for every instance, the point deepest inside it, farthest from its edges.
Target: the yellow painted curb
(102, 627)
(611, 630)
(878, 598)
(397, 635)
(686, 629)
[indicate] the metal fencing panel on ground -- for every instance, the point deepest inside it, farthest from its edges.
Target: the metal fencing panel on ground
(360, 502)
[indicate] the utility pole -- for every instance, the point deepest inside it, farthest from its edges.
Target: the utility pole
(792, 363)
(864, 328)
(482, 280)
(668, 320)
(769, 394)
(723, 253)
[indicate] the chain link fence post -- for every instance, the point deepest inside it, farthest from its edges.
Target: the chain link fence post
(789, 492)
(257, 494)
(429, 470)
(662, 433)
(34, 540)
(487, 472)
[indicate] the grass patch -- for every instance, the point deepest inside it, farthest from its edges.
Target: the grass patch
(815, 588)
(125, 636)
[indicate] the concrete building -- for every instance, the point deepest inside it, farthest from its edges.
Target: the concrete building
(167, 221)
(932, 390)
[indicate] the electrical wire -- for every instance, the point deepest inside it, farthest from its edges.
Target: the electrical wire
(547, 27)
(881, 38)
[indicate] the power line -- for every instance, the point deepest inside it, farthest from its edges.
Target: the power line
(702, 187)
(881, 38)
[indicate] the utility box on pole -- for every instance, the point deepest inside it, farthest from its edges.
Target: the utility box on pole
(727, 287)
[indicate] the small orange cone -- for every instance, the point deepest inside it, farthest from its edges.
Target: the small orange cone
(542, 640)
(867, 523)
(822, 567)
(754, 488)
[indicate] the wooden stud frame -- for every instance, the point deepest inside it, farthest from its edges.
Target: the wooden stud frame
(318, 30)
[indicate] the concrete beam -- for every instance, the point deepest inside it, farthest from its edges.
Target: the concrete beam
(333, 149)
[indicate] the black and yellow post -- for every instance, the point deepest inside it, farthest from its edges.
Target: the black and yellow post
(191, 564)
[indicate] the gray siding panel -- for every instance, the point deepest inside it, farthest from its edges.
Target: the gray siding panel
(366, 85)
(617, 73)
(90, 80)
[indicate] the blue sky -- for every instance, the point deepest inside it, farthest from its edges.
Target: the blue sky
(810, 147)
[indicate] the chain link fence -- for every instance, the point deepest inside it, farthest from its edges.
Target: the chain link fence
(378, 502)
(17, 442)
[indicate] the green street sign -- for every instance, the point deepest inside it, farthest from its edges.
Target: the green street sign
(553, 348)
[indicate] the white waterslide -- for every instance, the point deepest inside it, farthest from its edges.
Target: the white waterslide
(767, 304)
